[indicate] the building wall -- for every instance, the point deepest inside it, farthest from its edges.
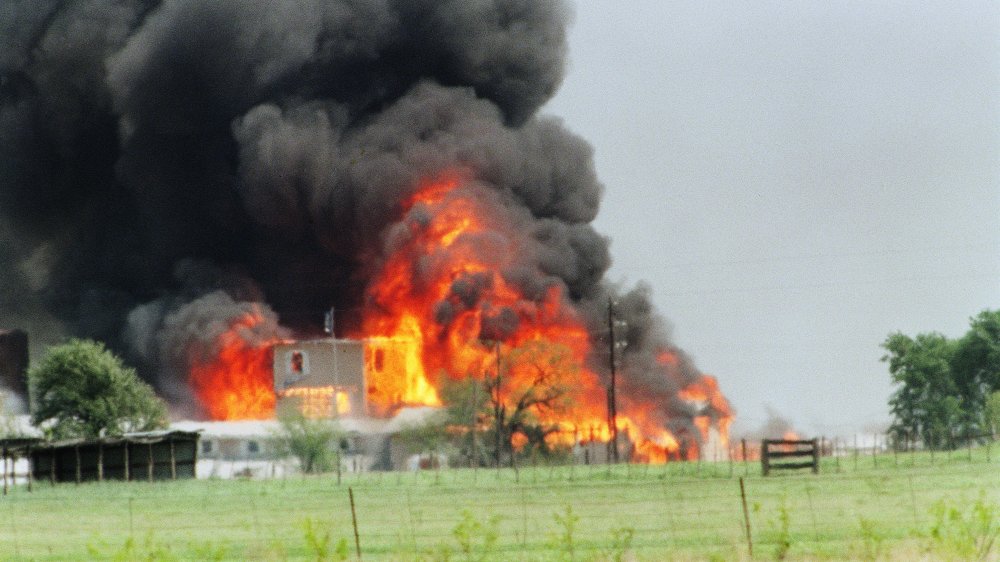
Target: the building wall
(302, 368)
(226, 456)
(236, 448)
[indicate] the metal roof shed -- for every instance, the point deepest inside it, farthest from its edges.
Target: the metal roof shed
(152, 455)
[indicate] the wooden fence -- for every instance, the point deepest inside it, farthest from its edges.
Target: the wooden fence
(789, 449)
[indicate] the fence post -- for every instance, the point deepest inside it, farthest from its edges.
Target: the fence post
(354, 521)
(765, 460)
(173, 461)
(895, 450)
(912, 448)
(812, 512)
(746, 516)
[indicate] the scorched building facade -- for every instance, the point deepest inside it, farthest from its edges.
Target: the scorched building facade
(322, 378)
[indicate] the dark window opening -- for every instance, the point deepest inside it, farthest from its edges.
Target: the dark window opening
(298, 362)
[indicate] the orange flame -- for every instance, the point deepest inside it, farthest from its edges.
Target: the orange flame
(443, 247)
(423, 323)
(237, 384)
(421, 328)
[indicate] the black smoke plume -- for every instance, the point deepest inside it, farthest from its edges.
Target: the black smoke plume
(162, 162)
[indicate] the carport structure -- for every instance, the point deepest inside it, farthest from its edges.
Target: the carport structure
(152, 455)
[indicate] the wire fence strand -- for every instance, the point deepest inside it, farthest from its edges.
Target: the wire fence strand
(596, 513)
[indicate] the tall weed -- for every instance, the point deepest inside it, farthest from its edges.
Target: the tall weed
(318, 542)
(476, 540)
(872, 540)
(962, 535)
(564, 540)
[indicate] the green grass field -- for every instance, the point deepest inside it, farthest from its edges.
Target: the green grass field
(903, 508)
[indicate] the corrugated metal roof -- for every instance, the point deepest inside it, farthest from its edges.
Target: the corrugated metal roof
(143, 437)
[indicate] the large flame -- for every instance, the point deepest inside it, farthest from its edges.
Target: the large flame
(440, 308)
(435, 301)
(237, 383)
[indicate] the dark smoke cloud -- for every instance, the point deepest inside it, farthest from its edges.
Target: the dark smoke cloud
(165, 163)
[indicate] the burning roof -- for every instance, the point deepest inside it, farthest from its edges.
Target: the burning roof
(194, 181)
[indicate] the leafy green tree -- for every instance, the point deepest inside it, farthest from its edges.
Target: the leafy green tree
(976, 368)
(466, 409)
(80, 389)
(311, 441)
(944, 386)
(926, 403)
(427, 436)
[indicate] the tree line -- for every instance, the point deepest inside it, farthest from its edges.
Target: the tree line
(946, 389)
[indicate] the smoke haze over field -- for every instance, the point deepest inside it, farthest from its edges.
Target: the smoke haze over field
(164, 164)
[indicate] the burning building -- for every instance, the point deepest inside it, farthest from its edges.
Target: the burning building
(194, 182)
(321, 378)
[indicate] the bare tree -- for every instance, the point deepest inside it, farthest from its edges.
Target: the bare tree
(531, 385)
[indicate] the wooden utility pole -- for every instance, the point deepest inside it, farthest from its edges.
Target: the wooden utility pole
(474, 461)
(612, 399)
(499, 410)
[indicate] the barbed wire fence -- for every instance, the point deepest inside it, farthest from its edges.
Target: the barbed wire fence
(580, 512)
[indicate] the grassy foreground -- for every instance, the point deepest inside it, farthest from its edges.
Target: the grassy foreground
(905, 507)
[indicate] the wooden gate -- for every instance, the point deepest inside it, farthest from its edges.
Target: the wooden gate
(790, 452)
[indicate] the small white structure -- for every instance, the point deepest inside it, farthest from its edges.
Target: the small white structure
(17, 426)
(246, 448)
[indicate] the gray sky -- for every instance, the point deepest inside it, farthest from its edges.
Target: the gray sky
(796, 180)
